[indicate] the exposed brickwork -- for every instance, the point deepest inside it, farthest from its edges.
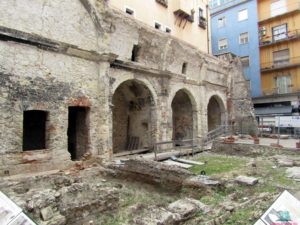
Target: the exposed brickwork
(51, 63)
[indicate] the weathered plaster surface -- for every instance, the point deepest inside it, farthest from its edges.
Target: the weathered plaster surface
(92, 58)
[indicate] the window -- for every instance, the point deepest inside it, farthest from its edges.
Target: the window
(223, 44)
(278, 7)
(221, 22)
(129, 11)
(200, 12)
(244, 38)
(184, 68)
(245, 61)
(135, 53)
(283, 84)
(168, 30)
(279, 32)
(157, 25)
(281, 57)
(34, 130)
(243, 15)
(202, 20)
(214, 3)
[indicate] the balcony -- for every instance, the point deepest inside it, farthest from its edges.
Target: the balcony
(290, 89)
(183, 11)
(279, 12)
(279, 38)
(202, 22)
(163, 2)
(280, 64)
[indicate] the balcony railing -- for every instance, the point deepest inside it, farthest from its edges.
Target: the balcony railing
(280, 64)
(268, 15)
(280, 37)
(184, 11)
(281, 91)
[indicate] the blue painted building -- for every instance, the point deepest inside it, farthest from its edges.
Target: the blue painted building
(234, 29)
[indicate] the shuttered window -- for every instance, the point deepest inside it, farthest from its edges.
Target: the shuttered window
(223, 43)
(283, 84)
(278, 7)
(281, 57)
(244, 38)
(243, 15)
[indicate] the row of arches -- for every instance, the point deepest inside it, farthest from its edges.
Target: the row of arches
(134, 116)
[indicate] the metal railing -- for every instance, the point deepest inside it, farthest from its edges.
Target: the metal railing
(213, 134)
(284, 36)
(191, 143)
(175, 144)
(280, 64)
(277, 91)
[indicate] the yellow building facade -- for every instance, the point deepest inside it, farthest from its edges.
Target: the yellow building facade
(186, 20)
(279, 28)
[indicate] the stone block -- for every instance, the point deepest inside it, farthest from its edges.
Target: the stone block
(46, 213)
(157, 216)
(293, 172)
(201, 181)
(246, 180)
(187, 207)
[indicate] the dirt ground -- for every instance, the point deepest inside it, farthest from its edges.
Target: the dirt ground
(129, 201)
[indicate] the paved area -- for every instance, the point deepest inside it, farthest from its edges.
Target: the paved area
(286, 143)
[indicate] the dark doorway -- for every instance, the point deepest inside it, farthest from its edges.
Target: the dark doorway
(214, 113)
(78, 132)
(182, 111)
(34, 130)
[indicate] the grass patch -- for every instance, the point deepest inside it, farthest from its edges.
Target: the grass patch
(217, 164)
(242, 217)
(214, 199)
(248, 215)
(135, 194)
(273, 178)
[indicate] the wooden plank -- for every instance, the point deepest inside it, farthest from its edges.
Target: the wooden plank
(187, 161)
(124, 153)
(173, 163)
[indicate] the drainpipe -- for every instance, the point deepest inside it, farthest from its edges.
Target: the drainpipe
(207, 33)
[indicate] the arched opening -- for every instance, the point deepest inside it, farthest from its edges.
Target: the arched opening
(182, 111)
(132, 117)
(215, 113)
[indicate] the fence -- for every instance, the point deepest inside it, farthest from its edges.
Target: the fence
(191, 143)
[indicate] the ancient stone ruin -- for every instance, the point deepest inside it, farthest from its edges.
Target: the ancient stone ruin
(79, 79)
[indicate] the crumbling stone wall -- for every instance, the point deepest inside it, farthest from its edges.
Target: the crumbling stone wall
(50, 63)
(239, 102)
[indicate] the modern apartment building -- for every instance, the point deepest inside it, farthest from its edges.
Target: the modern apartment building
(183, 19)
(279, 35)
(234, 29)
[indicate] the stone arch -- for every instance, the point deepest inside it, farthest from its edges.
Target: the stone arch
(184, 115)
(133, 116)
(216, 112)
(142, 81)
